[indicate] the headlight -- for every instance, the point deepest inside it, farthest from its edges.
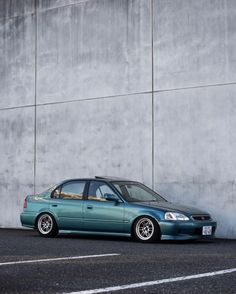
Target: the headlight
(175, 216)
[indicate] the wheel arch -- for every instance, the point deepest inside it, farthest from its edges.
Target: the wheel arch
(153, 217)
(41, 213)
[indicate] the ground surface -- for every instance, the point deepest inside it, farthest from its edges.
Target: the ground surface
(134, 263)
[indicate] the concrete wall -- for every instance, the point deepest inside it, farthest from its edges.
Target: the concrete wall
(133, 88)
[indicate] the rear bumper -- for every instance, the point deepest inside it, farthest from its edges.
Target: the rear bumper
(188, 230)
(28, 219)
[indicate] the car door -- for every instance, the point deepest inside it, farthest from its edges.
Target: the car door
(67, 204)
(101, 214)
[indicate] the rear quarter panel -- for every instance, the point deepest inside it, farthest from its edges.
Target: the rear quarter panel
(35, 206)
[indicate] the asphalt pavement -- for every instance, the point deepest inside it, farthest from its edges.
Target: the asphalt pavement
(74, 263)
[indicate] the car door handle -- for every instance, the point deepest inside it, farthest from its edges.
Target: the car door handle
(54, 205)
(89, 207)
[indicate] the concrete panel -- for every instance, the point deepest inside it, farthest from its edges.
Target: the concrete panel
(50, 4)
(17, 72)
(109, 136)
(17, 162)
(195, 150)
(98, 48)
(194, 43)
(13, 8)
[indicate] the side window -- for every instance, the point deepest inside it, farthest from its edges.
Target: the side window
(72, 190)
(98, 190)
(56, 193)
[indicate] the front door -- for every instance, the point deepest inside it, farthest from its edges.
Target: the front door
(101, 214)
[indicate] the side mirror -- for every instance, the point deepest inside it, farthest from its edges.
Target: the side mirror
(111, 197)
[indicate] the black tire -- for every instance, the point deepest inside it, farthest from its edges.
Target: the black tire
(46, 225)
(146, 229)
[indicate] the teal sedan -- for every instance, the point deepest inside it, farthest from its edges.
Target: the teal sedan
(111, 206)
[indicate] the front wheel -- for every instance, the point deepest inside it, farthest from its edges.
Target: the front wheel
(146, 229)
(46, 225)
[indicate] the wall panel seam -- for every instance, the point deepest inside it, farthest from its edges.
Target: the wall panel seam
(42, 10)
(152, 65)
(195, 87)
(35, 94)
(117, 96)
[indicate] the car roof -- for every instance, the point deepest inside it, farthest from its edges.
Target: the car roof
(102, 178)
(111, 178)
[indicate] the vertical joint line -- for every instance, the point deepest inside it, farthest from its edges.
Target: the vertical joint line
(152, 41)
(35, 89)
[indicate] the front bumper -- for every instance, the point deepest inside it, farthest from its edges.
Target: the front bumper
(185, 230)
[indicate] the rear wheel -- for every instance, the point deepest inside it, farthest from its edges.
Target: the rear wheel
(46, 225)
(146, 229)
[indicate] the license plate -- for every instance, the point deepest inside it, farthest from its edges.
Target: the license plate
(206, 230)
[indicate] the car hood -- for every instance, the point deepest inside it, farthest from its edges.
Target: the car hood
(172, 207)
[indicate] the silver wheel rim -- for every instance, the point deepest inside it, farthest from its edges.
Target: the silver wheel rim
(144, 229)
(45, 224)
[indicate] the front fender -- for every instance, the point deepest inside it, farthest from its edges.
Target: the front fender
(132, 215)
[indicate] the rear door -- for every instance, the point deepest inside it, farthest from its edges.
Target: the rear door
(67, 204)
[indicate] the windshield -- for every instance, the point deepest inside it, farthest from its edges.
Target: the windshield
(136, 192)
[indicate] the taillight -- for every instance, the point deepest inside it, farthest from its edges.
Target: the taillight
(25, 203)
